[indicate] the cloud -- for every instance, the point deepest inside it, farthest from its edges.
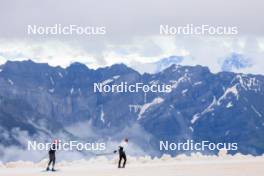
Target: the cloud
(81, 132)
(132, 37)
(141, 54)
(130, 18)
(53, 52)
(235, 62)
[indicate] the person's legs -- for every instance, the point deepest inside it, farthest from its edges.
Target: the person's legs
(120, 159)
(125, 159)
(50, 160)
(53, 162)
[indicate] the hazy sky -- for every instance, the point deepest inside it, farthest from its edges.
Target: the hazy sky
(132, 31)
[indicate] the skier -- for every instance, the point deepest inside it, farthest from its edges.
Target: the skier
(52, 158)
(122, 154)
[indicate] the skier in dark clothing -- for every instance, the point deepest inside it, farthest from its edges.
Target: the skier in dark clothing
(122, 154)
(52, 157)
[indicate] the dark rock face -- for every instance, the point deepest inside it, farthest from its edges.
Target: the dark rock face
(42, 100)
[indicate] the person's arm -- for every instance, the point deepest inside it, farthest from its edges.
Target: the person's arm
(120, 145)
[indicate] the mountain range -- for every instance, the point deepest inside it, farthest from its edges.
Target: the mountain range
(41, 102)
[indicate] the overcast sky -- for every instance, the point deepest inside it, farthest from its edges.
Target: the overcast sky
(132, 31)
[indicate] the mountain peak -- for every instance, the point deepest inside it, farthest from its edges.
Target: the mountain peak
(118, 69)
(78, 67)
(25, 66)
(196, 68)
(167, 62)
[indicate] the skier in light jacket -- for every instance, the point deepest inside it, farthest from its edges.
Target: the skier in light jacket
(122, 155)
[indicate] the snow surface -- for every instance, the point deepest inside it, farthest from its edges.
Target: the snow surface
(176, 67)
(60, 74)
(232, 90)
(10, 82)
(198, 83)
(182, 165)
(144, 107)
(51, 90)
(116, 76)
(175, 83)
(195, 118)
(229, 105)
(72, 90)
(184, 91)
(154, 82)
(206, 110)
(255, 110)
(52, 81)
(107, 81)
(102, 116)
(248, 83)
(217, 102)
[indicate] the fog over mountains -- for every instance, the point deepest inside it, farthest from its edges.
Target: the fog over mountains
(41, 102)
